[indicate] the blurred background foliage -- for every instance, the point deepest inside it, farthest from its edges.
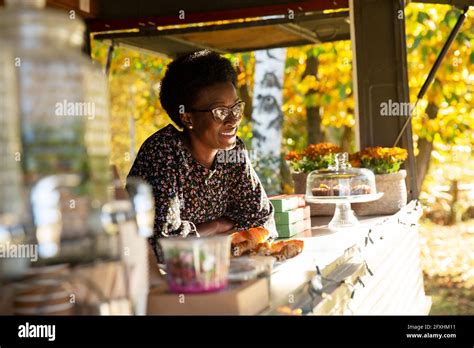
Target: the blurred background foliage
(444, 121)
(318, 86)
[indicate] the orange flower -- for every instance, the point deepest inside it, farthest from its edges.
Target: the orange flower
(292, 156)
(381, 160)
(398, 153)
(321, 149)
(386, 153)
(354, 160)
(372, 153)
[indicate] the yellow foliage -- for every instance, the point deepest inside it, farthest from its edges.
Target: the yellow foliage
(136, 112)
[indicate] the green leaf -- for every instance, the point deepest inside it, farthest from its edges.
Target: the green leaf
(342, 91)
(422, 17)
(312, 100)
(315, 51)
(291, 62)
(326, 99)
(452, 18)
(424, 53)
(417, 42)
(246, 58)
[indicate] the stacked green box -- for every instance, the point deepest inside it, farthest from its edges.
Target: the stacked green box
(292, 216)
(283, 203)
(287, 231)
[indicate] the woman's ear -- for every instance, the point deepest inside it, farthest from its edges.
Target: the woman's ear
(186, 119)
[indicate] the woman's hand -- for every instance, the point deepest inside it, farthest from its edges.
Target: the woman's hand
(221, 225)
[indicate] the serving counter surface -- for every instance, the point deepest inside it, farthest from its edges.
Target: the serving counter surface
(373, 268)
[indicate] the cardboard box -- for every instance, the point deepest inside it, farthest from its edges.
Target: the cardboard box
(291, 216)
(247, 298)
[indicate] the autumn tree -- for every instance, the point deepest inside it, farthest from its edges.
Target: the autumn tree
(446, 114)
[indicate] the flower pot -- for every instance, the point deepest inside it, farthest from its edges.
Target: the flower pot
(395, 195)
(299, 180)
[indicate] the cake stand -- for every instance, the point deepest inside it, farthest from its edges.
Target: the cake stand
(343, 215)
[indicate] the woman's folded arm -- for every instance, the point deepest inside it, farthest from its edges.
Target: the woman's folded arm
(249, 205)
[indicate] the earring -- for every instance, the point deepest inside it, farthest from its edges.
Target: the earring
(191, 127)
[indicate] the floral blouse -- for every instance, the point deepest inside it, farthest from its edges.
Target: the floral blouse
(186, 193)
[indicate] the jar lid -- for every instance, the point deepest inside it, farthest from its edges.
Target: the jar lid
(28, 20)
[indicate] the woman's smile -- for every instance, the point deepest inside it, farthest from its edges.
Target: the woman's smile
(229, 133)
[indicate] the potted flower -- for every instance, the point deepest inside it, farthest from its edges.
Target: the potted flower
(385, 162)
(315, 156)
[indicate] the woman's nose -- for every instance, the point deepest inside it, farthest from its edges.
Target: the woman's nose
(232, 121)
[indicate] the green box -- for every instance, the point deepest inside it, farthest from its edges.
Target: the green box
(285, 202)
(292, 216)
(286, 231)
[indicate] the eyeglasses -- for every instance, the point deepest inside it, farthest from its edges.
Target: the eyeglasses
(221, 113)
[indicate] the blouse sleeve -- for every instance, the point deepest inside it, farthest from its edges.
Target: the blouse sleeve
(150, 166)
(249, 205)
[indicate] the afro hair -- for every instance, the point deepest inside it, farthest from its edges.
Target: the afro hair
(187, 75)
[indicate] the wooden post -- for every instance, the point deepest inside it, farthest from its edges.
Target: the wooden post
(380, 76)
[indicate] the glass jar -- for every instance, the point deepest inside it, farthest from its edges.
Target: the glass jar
(15, 254)
(63, 119)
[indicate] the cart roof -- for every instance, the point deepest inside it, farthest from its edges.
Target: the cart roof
(230, 25)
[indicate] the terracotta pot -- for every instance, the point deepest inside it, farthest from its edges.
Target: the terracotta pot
(299, 180)
(395, 195)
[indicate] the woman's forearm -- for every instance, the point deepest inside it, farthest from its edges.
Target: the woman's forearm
(226, 225)
(217, 226)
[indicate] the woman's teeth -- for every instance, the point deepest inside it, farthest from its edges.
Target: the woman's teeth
(232, 132)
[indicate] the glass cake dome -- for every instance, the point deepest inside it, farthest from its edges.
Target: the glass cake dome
(340, 180)
(341, 185)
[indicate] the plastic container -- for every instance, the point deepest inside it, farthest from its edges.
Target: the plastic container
(196, 265)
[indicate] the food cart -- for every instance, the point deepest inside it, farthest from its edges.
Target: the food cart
(372, 268)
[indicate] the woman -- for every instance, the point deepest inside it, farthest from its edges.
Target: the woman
(202, 178)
